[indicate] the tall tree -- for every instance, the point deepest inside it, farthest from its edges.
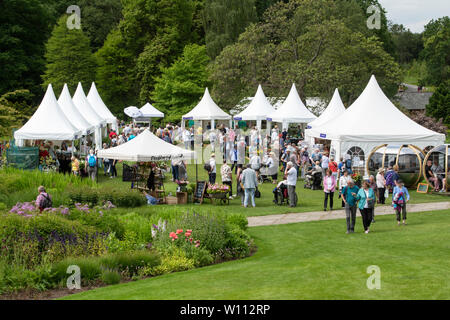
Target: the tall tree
(181, 85)
(383, 32)
(68, 58)
(439, 105)
(308, 42)
(225, 20)
(24, 28)
(151, 35)
(15, 108)
(408, 45)
(436, 51)
(98, 18)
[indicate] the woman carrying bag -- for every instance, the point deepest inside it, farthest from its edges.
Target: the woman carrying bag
(366, 204)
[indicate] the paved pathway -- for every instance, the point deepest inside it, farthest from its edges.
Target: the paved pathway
(338, 214)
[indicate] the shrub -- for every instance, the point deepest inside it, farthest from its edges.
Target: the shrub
(118, 196)
(90, 269)
(237, 219)
(110, 277)
(208, 229)
(174, 261)
(237, 244)
(129, 263)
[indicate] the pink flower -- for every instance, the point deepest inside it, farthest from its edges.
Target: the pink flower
(179, 231)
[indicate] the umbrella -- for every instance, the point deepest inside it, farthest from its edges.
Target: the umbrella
(133, 112)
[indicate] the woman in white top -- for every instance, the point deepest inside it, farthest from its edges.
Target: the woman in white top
(343, 182)
(381, 186)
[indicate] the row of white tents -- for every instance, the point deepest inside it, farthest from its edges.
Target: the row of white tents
(68, 118)
(291, 111)
(370, 121)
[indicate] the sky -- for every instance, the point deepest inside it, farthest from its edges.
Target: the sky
(415, 14)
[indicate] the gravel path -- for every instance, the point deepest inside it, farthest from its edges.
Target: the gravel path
(338, 214)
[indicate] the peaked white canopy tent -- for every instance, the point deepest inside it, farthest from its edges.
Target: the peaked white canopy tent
(48, 123)
(206, 110)
(259, 109)
(370, 121)
(292, 111)
(88, 112)
(146, 147)
(147, 113)
(100, 107)
(72, 113)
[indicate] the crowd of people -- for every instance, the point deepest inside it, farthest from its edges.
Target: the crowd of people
(243, 155)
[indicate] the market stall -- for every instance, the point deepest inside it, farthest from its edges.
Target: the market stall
(258, 109)
(370, 121)
(291, 111)
(147, 148)
(88, 112)
(206, 110)
(100, 107)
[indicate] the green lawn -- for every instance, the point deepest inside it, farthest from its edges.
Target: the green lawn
(317, 260)
(308, 200)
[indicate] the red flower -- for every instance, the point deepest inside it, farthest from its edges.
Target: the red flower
(179, 231)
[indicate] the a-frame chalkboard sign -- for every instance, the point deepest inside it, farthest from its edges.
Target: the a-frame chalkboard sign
(200, 190)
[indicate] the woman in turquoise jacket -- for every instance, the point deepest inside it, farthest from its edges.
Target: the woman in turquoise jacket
(366, 203)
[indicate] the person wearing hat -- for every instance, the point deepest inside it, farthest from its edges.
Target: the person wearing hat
(212, 171)
(381, 186)
(272, 167)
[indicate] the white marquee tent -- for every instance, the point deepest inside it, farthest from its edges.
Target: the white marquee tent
(100, 107)
(72, 113)
(85, 108)
(148, 112)
(206, 110)
(335, 109)
(292, 111)
(146, 147)
(370, 121)
(257, 110)
(48, 123)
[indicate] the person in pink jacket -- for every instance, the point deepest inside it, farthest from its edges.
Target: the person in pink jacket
(329, 186)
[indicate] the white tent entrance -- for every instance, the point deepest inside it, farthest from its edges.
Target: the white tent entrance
(370, 121)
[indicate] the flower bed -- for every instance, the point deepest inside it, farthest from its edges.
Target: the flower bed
(109, 248)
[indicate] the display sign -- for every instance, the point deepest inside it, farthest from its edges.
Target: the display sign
(200, 190)
(422, 188)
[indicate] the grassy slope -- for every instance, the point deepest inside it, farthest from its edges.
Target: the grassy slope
(317, 260)
(308, 200)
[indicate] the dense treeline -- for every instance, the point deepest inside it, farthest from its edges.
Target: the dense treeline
(166, 51)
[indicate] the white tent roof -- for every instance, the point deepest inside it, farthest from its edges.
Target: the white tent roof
(48, 122)
(292, 110)
(146, 147)
(207, 109)
(72, 113)
(373, 118)
(85, 108)
(258, 109)
(335, 109)
(149, 111)
(99, 106)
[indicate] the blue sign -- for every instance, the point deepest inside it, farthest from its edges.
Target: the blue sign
(308, 127)
(269, 119)
(188, 118)
(237, 118)
(323, 135)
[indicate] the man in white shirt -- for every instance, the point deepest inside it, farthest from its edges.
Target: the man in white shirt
(186, 139)
(212, 172)
(325, 162)
(127, 130)
(291, 176)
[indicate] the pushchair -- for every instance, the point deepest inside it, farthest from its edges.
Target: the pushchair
(281, 194)
(314, 181)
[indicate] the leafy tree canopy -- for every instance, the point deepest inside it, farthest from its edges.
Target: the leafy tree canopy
(181, 86)
(309, 42)
(69, 58)
(436, 51)
(24, 27)
(439, 105)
